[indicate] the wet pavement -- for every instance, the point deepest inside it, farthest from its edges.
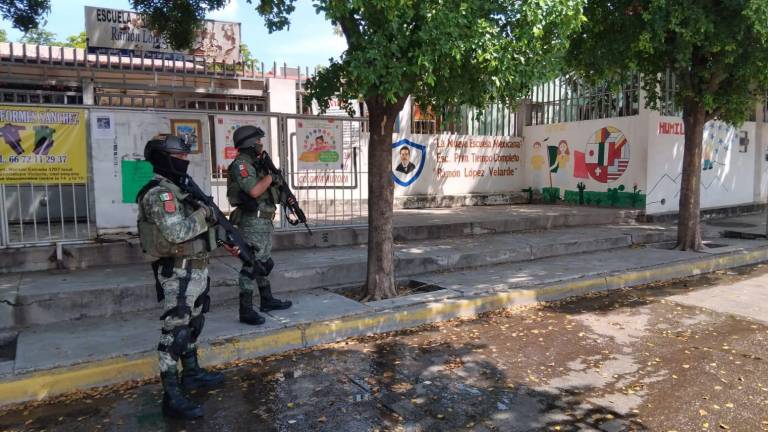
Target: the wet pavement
(638, 359)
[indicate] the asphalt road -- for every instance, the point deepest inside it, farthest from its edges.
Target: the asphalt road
(685, 356)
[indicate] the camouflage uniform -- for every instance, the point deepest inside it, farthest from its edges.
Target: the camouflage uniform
(180, 232)
(252, 216)
(183, 235)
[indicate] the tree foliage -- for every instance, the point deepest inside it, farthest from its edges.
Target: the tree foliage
(245, 55)
(444, 53)
(25, 15)
(3, 36)
(77, 41)
(717, 50)
(40, 36)
(177, 20)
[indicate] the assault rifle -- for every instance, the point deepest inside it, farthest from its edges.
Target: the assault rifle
(287, 198)
(233, 238)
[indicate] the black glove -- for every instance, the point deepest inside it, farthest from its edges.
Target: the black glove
(210, 215)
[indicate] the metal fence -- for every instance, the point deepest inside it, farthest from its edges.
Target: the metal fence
(176, 63)
(45, 214)
(329, 197)
(496, 119)
(568, 99)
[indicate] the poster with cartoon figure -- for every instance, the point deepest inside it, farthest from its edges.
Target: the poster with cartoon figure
(318, 144)
(224, 128)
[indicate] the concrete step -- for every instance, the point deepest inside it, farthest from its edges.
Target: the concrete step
(423, 224)
(47, 297)
(52, 359)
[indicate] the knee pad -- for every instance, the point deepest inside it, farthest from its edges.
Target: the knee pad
(204, 300)
(182, 336)
(196, 327)
(263, 268)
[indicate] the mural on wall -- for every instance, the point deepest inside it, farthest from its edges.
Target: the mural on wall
(718, 181)
(596, 171)
(717, 138)
(538, 163)
(605, 159)
(606, 156)
(408, 160)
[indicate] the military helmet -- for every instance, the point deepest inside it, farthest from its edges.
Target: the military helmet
(248, 137)
(167, 144)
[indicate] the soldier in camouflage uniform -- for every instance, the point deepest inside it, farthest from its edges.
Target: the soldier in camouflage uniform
(251, 190)
(181, 233)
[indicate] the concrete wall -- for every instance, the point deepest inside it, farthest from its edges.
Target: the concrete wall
(728, 173)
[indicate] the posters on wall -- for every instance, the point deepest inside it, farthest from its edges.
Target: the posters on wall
(122, 30)
(319, 144)
(225, 126)
(119, 168)
(42, 145)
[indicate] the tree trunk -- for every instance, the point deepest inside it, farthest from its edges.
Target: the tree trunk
(688, 226)
(380, 277)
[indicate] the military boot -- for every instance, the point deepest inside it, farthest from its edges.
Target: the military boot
(268, 302)
(175, 403)
(247, 314)
(193, 376)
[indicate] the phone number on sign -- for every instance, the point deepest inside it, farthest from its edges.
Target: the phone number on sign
(34, 159)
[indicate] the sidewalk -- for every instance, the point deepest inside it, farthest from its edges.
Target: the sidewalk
(409, 225)
(474, 274)
(428, 240)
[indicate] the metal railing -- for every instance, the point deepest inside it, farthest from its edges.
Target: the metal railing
(329, 197)
(170, 63)
(64, 213)
(45, 214)
(496, 119)
(9, 95)
(568, 99)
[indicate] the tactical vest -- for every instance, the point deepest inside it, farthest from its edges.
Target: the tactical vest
(239, 198)
(154, 243)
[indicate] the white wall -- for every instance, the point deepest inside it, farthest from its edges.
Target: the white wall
(132, 131)
(282, 95)
(728, 180)
(459, 164)
(576, 136)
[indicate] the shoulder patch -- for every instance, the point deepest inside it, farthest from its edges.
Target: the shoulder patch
(166, 196)
(169, 206)
(243, 169)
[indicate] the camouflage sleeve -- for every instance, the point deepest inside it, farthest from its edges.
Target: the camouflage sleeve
(246, 175)
(164, 209)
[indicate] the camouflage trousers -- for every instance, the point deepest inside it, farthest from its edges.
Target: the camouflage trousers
(257, 232)
(172, 323)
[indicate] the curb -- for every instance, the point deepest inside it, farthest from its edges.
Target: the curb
(43, 384)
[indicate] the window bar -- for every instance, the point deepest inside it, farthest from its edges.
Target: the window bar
(61, 212)
(34, 211)
(21, 212)
(74, 210)
(48, 211)
(87, 210)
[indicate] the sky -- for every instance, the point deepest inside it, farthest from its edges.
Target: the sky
(309, 42)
